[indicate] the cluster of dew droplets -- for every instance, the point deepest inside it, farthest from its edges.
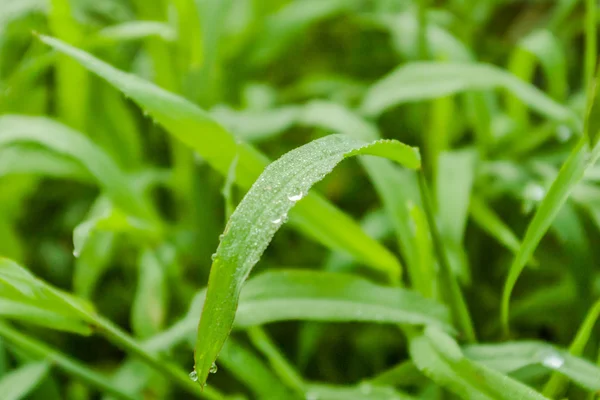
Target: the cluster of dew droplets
(293, 198)
(194, 375)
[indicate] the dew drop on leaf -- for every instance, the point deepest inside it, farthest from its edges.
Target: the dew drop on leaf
(213, 368)
(295, 197)
(194, 376)
(553, 361)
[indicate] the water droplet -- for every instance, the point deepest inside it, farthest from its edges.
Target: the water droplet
(213, 256)
(311, 396)
(534, 191)
(194, 376)
(295, 197)
(563, 133)
(76, 254)
(213, 368)
(366, 388)
(281, 219)
(221, 236)
(553, 361)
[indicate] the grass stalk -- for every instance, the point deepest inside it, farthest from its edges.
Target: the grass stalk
(450, 290)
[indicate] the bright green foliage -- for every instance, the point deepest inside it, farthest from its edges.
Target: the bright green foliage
(456, 257)
(18, 383)
(261, 213)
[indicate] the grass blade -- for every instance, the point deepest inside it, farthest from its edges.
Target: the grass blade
(558, 383)
(440, 358)
(429, 80)
(327, 296)
(511, 356)
(67, 142)
(18, 383)
(260, 214)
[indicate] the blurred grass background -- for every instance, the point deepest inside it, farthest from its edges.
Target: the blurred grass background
(271, 71)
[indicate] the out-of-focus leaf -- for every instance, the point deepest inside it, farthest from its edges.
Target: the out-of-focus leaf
(546, 47)
(196, 129)
(404, 29)
(26, 298)
(17, 384)
(19, 159)
(110, 219)
(509, 357)
(439, 357)
(592, 117)
(454, 182)
(260, 214)
(328, 296)
(67, 142)
(569, 175)
(364, 391)
(149, 307)
(256, 126)
(290, 22)
(133, 30)
(427, 80)
(252, 371)
(558, 382)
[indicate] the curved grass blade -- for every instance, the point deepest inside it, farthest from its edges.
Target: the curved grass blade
(558, 383)
(250, 369)
(334, 297)
(440, 358)
(364, 391)
(133, 30)
(511, 356)
(260, 214)
(64, 141)
(18, 160)
(25, 297)
(572, 171)
(195, 128)
(18, 383)
(429, 80)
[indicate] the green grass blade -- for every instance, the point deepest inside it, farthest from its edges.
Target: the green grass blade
(280, 365)
(149, 308)
(558, 383)
(364, 391)
(199, 131)
(132, 30)
(23, 296)
(67, 142)
(428, 80)
(23, 159)
(38, 349)
(485, 217)
(511, 356)
(447, 283)
(248, 368)
(18, 383)
(72, 79)
(571, 172)
(260, 214)
(440, 358)
(454, 183)
(327, 296)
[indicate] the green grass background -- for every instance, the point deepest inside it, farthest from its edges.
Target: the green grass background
(130, 130)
